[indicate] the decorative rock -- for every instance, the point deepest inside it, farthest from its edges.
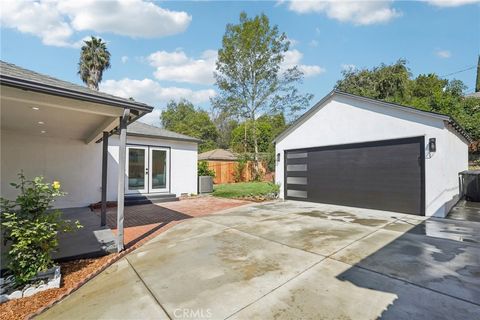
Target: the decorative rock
(30, 291)
(44, 280)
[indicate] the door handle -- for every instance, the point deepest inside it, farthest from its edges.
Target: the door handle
(146, 170)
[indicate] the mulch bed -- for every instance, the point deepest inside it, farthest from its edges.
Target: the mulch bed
(73, 273)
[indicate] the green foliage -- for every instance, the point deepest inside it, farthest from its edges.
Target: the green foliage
(248, 73)
(394, 83)
(385, 82)
(203, 169)
(246, 189)
(94, 59)
(225, 124)
(239, 171)
(268, 127)
(31, 226)
(182, 117)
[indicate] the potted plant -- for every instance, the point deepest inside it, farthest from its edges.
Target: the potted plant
(30, 227)
(205, 178)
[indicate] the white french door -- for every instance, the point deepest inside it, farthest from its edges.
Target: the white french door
(137, 170)
(158, 169)
(147, 169)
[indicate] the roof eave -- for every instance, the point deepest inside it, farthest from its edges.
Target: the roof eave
(133, 134)
(303, 116)
(374, 101)
(63, 92)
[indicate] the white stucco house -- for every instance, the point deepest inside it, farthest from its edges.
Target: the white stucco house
(90, 142)
(360, 152)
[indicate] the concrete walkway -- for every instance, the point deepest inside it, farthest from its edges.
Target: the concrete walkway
(289, 260)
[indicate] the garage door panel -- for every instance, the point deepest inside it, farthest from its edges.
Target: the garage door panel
(385, 175)
(297, 174)
(297, 161)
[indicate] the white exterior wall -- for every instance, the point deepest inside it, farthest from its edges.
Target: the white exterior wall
(456, 161)
(345, 120)
(183, 163)
(79, 166)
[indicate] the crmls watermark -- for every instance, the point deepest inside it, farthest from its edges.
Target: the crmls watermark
(187, 313)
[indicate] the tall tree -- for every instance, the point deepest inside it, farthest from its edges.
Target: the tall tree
(249, 74)
(268, 127)
(477, 83)
(394, 83)
(385, 82)
(182, 117)
(94, 60)
(225, 124)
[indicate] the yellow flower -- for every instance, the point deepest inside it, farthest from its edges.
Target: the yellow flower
(56, 185)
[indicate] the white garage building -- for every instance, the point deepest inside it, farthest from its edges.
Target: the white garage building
(360, 152)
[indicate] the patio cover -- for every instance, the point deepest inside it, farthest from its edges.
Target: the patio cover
(68, 111)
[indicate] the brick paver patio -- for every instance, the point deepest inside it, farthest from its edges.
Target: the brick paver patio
(143, 220)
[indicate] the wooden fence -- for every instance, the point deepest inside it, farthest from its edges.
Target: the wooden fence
(225, 171)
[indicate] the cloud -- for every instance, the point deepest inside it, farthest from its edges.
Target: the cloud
(348, 67)
(153, 118)
(451, 3)
(42, 19)
(444, 54)
(134, 18)
(55, 22)
(124, 59)
(293, 42)
(178, 67)
(358, 13)
(151, 92)
(294, 57)
(313, 43)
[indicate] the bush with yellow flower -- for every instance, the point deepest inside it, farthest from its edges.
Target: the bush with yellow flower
(31, 226)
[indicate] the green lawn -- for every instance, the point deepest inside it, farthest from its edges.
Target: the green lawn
(244, 189)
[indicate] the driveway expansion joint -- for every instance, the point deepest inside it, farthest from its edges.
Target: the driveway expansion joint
(148, 289)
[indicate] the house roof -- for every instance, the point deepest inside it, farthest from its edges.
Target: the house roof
(15, 76)
(218, 154)
(146, 130)
(334, 93)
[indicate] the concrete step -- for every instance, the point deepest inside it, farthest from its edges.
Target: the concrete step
(131, 200)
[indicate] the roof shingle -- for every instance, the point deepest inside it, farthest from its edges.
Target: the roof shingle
(13, 75)
(146, 130)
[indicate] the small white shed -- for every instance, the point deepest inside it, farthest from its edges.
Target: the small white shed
(360, 152)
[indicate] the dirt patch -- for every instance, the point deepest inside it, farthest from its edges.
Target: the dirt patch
(338, 215)
(342, 214)
(370, 222)
(313, 214)
(241, 260)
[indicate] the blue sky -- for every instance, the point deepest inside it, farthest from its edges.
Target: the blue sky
(166, 50)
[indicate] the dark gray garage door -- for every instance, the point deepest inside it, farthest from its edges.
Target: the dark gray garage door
(384, 175)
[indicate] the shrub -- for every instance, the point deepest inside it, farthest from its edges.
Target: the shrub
(203, 169)
(238, 171)
(31, 226)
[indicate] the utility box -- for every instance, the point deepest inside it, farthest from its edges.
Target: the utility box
(470, 185)
(205, 184)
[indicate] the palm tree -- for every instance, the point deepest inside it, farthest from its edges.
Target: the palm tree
(94, 59)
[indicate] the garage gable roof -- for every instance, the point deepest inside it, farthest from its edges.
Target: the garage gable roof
(15, 76)
(338, 93)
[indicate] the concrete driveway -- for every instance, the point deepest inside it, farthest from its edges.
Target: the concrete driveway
(289, 260)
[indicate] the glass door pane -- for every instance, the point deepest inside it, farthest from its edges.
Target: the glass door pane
(159, 170)
(136, 169)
